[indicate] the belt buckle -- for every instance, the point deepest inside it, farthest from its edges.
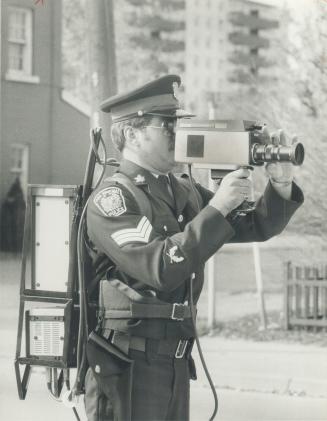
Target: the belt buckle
(181, 348)
(178, 312)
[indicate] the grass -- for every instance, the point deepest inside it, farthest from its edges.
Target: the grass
(249, 328)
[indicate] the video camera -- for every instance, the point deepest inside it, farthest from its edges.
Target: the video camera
(225, 145)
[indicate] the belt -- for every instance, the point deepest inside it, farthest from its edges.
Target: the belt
(175, 348)
(175, 311)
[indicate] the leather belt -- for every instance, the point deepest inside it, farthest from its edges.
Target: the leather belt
(175, 348)
(175, 311)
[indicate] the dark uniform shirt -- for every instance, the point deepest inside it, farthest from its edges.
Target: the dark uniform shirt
(160, 255)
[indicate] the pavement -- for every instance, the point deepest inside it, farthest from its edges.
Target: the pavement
(277, 368)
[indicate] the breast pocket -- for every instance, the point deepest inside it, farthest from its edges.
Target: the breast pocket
(166, 225)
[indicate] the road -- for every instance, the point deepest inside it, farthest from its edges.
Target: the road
(233, 405)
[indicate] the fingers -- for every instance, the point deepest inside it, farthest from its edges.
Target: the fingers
(233, 190)
(265, 135)
(240, 186)
(280, 138)
(283, 140)
(275, 138)
(294, 139)
(240, 173)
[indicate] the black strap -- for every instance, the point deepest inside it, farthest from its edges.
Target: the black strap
(174, 311)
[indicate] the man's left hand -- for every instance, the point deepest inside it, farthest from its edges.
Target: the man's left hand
(281, 173)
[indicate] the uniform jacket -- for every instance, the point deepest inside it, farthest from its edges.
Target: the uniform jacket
(162, 254)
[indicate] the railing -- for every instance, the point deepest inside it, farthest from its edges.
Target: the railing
(305, 295)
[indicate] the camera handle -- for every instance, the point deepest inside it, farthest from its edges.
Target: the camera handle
(245, 207)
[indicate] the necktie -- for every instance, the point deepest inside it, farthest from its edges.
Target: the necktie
(163, 180)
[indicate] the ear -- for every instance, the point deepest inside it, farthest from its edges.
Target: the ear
(131, 136)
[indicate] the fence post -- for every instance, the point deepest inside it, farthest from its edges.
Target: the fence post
(211, 276)
(211, 294)
(287, 277)
(259, 284)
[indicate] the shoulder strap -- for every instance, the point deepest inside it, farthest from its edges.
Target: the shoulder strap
(139, 196)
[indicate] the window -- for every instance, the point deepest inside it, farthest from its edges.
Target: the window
(20, 43)
(20, 163)
(17, 152)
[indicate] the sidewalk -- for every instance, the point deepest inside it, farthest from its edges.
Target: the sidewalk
(268, 367)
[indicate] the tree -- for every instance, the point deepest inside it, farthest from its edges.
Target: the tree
(75, 77)
(294, 99)
(102, 62)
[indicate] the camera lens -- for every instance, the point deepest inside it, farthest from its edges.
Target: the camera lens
(298, 154)
(272, 153)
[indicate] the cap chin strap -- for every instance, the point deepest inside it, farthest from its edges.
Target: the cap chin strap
(160, 114)
(140, 113)
(143, 114)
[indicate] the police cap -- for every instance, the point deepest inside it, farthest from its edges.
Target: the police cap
(154, 98)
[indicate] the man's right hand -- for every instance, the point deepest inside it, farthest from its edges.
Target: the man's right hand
(233, 190)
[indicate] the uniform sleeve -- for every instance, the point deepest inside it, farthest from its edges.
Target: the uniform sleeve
(271, 215)
(206, 194)
(116, 228)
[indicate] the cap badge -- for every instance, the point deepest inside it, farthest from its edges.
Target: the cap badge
(139, 179)
(175, 89)
(110, 201)
(174, 258)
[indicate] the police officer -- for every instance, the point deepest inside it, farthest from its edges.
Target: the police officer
(150, 241)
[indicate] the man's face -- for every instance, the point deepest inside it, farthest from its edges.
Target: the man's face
(157, 144)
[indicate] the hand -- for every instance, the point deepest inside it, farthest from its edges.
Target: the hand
(280, 172)
(233, 190)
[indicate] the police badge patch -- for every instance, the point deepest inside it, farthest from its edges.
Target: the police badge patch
(110, 201)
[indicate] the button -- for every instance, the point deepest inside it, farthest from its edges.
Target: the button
(193, 275)
(180, 218)
(97, 369)
(165, 228)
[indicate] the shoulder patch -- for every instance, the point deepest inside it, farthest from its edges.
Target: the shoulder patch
(110, 201)
(175, 255)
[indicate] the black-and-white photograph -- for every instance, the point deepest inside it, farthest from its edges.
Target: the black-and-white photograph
(163, 246)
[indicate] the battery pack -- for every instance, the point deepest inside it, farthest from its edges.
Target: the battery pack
(45, 332)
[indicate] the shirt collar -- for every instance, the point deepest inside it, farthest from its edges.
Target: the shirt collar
(142, 177)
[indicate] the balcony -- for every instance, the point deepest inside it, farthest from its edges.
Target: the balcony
(248, 40)
(252, 21)
(250, 60)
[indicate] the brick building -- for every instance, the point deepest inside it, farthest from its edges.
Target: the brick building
(44, 131)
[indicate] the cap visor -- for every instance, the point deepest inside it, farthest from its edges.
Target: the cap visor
(183, 114)
(172, 113)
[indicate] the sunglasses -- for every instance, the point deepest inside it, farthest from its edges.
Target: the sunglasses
(168, 125)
